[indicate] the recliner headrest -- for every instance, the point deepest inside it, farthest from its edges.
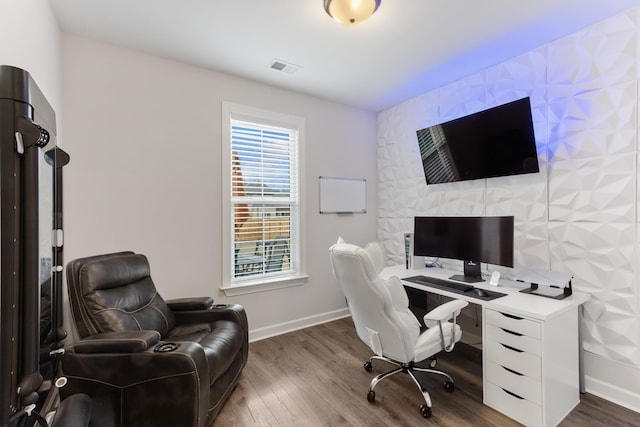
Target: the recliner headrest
(114, 272)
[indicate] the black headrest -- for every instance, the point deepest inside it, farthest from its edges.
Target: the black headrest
(113, 272)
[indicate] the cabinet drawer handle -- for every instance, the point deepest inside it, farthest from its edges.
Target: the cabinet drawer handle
(508, 347)
(511, 316)
(512, 371)
(511, 332)
(512, 394)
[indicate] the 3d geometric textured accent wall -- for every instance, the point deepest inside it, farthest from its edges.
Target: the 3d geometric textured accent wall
(580, 213)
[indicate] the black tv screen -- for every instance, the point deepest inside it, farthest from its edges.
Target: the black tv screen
(496, 142)
(487, 239)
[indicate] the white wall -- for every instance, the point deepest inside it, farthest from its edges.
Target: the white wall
(580, 213)
(144, 135)
(30, 39)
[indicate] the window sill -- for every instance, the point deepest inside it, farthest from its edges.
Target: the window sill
(250, 287)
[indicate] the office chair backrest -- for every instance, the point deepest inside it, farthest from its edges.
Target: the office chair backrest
(379, 307)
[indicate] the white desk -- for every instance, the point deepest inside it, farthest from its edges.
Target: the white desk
(530, 346)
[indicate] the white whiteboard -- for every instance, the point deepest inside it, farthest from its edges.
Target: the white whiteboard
(343, 195)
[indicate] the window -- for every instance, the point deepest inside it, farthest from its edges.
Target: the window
(263, 210)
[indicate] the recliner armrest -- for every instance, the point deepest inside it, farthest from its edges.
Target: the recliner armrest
(190, 304)
(233, 312)
(117, 342)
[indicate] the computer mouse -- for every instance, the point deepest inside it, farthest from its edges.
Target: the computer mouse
(481, 292)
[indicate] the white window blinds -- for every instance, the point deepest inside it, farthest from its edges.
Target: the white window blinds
(264, 199)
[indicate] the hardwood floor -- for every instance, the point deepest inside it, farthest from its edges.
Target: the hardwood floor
(315, 377)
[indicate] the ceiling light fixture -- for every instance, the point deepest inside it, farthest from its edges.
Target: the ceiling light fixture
(351, 12)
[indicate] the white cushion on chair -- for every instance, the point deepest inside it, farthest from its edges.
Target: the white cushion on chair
(400, 301)
(429, 342)
(398, 294)
(380, 311)
(376, 254)
(380, 307)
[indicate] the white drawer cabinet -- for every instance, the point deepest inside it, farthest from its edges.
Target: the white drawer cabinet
(521, 386)
(531, 366)
(530, 358)
(513, 358)
(514, 324)
(521, 410)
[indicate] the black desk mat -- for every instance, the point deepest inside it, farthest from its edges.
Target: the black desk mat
(424, 281)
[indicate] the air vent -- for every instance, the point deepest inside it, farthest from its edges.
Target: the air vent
(285, 67)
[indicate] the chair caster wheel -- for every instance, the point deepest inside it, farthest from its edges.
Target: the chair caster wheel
(425, 411)
(371, 396)
(449, 386)
(367, 366)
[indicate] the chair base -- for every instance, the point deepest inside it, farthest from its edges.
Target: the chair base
(408, 368)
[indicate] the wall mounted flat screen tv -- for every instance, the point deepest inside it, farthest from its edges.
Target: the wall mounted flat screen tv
(496, 142)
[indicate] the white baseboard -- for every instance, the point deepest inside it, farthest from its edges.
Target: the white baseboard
(613, 381)
(613, 393)
(294, 325)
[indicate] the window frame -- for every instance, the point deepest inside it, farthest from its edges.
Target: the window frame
(230, 286)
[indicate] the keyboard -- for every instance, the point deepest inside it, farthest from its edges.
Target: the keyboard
(455, 287)
(444, 284)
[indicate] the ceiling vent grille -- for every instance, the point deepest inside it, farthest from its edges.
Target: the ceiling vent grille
(285, 67)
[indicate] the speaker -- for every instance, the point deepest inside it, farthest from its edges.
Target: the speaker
(411, 261)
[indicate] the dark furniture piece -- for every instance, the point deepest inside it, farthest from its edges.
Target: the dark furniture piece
(31, 328)
(145, 361)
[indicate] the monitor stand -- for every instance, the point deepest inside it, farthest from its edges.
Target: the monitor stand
(472, 273)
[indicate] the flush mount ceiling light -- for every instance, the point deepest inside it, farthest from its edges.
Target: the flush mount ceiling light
(351, 12)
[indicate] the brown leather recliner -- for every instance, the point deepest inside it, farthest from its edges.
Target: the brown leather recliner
(145, 361)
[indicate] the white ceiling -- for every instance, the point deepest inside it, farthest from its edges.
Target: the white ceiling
(407, 48)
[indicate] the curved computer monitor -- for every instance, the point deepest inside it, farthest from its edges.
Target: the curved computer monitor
(474, 240)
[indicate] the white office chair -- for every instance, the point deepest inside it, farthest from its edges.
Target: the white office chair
(380, 311)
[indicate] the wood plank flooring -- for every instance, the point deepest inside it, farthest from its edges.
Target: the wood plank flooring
(315, 377)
